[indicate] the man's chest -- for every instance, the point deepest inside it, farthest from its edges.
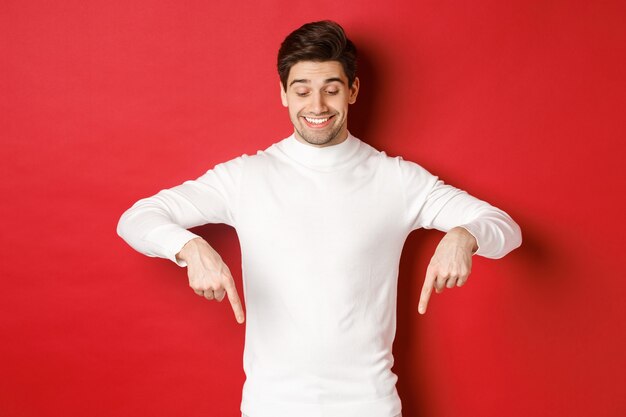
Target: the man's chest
(348, 214)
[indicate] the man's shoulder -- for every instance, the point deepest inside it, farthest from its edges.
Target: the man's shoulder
(404, 168)
(395, 160)
(252, 158)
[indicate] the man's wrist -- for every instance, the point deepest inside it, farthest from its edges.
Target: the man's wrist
(187, 248)
(464, 238)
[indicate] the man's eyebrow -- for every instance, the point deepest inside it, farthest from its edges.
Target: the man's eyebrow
(326, 81)
(330, 80)
(299, 81)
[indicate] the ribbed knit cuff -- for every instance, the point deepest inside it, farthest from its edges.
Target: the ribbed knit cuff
(172, 238)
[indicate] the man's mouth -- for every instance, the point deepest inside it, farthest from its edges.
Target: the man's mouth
(317, 122)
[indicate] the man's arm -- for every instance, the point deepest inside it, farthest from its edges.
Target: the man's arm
(472, 226)
(157, 226)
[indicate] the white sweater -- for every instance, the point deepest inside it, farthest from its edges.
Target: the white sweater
(321, 233)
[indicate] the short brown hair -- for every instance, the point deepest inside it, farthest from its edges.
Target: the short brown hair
(317, 41)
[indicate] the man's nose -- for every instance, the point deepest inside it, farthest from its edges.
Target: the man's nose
(318, 103)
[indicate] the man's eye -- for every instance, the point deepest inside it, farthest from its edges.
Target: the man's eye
(332, 92)
(301, 94)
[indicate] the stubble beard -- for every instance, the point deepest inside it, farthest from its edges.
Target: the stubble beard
(321, 138)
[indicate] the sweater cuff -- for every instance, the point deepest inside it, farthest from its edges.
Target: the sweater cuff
(171, 240)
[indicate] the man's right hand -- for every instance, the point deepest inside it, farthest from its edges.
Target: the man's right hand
(209, 276)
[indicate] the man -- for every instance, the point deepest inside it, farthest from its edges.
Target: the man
(322, 218)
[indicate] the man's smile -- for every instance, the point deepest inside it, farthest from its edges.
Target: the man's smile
(317, 122)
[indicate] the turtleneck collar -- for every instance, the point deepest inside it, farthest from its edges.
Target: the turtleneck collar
(324, 158)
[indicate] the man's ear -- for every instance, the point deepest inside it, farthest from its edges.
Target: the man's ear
(354, 91)
(283, 95)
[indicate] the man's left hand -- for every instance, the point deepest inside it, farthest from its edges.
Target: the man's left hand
(450, 265)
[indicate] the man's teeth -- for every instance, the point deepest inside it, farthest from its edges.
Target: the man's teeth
(316, 121)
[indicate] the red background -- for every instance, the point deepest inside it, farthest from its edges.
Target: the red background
(519, 102)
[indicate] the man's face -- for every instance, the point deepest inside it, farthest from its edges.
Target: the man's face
(317, 97)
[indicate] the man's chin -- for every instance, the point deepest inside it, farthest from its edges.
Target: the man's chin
(318, 138)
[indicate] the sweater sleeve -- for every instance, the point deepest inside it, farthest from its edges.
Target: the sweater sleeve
(157, 226)
(431, 204)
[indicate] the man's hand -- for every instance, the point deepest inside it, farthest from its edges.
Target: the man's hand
(450, 265)
(208, 275)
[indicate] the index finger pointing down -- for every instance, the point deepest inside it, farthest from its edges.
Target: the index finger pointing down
(427, 289)
(235, 302)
